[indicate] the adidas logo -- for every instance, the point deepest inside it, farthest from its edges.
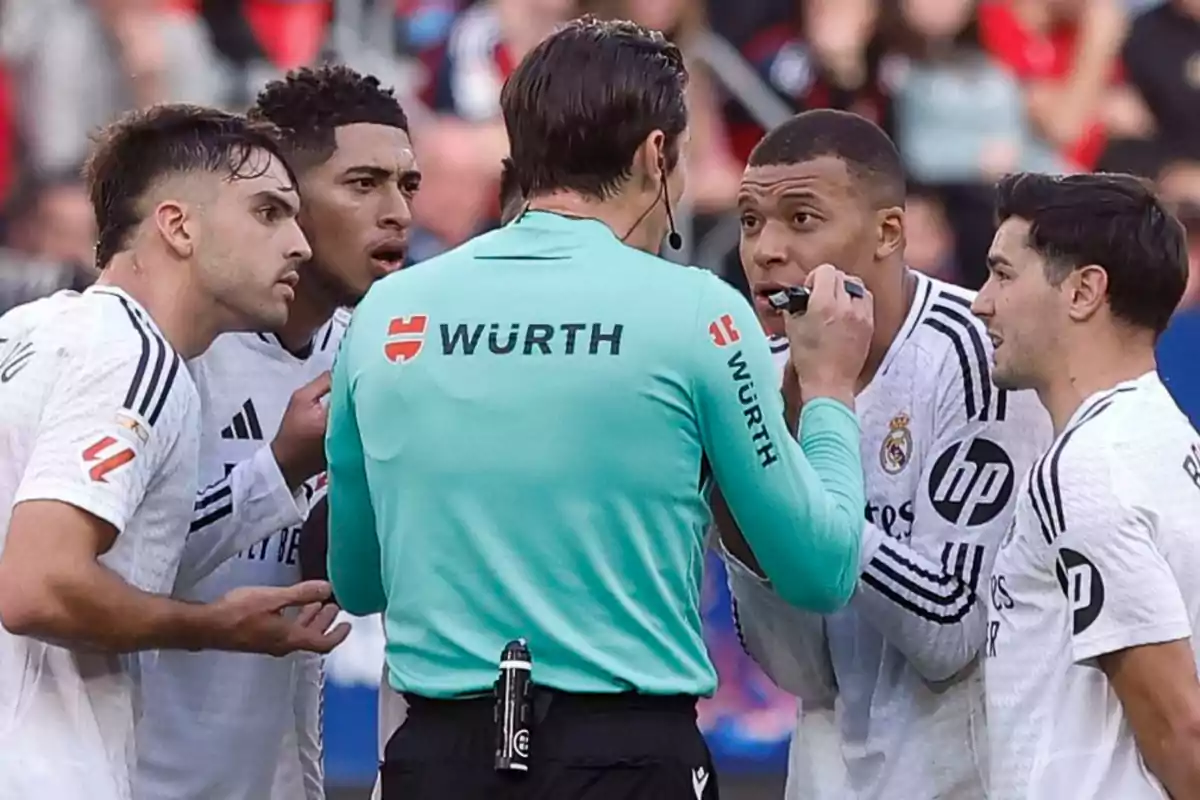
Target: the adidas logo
(245, 424)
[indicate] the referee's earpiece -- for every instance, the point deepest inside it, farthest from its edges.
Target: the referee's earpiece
(673, 237)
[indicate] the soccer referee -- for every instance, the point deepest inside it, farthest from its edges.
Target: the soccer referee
(523, 433)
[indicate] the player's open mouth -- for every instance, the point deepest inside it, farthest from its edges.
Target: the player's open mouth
(762, 292)
(389, 256)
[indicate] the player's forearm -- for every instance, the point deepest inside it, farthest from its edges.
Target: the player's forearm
(90, 607)
(1174, 758)
(927, 610)
(253, 502)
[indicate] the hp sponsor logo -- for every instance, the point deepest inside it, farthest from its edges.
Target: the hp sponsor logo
(1083, 586)
(971, 482)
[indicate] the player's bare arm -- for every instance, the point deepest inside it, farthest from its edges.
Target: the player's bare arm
(1159, 690)
(53, 588)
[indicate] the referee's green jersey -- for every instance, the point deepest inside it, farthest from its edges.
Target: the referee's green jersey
(522, 433)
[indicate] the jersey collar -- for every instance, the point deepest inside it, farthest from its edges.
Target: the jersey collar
(131, 306)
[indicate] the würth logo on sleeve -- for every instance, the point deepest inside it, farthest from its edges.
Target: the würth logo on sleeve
(406, 337)
(105, 455)
(723, 331)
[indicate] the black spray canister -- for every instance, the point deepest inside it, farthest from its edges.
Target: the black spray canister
(514, 708)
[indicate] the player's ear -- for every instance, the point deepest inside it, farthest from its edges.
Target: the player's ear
(1087, 291)
(890, 225)
(173, 222)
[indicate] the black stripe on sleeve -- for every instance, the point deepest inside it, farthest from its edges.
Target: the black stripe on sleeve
(135, 386)
(969, 334)
(148, 391)
(964, 366)
(940, 598)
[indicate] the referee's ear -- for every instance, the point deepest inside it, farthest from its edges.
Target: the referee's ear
(314, 543)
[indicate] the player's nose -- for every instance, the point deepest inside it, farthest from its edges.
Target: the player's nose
(395, 211)
(769, 248)
(298, 248)
(982, 305)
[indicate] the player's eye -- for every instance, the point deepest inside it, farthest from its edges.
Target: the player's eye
(363, 184)
(749, 222)
(802, 219)
(411, 186)
(269, 213)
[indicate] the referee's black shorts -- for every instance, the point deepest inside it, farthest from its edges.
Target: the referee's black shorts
(583, 747)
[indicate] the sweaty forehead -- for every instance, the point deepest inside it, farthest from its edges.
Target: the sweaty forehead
(371, 146)
(824, 177)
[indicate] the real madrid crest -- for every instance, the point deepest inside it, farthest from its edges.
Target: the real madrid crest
(897, 445)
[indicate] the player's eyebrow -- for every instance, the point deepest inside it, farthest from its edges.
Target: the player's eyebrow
(380, 173)
(995, 260)
(285, 197)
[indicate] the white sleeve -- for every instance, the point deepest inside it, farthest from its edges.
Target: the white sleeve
(1119, 588)
(112, 420)
(788, 643)
(251, 503)
(923, 594)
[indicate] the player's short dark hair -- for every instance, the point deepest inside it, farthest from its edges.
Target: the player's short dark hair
(143, 147)
(868, 152)
(511, 197)
(310, 104)
(1113, 221)
(581, 103)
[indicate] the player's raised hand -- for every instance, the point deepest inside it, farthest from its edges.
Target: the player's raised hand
(257, 619)
(299, 447)
(829, 342)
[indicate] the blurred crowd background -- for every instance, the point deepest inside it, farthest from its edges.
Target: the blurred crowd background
(969, 90)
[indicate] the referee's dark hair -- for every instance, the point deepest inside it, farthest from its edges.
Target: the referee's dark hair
(141, 148)
(310, 104)
(1112, 221)
(868, 152)
(581, 103)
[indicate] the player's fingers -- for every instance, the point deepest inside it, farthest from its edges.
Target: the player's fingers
(317, 388)
(820, 279)
(308, 613)
(304, 593)
(322, 642)
(324, 617)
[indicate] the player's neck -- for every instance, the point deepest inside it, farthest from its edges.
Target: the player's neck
(893, 302)
(187, 318)
(1091, 369)
(309, 311)
(629, 218)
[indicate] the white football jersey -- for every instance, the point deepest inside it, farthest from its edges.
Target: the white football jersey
(943, 450)
(97, 411)
(1104, 554)
(240, 726)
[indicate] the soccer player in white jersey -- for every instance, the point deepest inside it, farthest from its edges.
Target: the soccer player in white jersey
(1095, 597)
(245, 727)
(943, 450)
(197, 236)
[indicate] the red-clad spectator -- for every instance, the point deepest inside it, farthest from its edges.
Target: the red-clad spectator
(1066, 53)
(290, 32)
